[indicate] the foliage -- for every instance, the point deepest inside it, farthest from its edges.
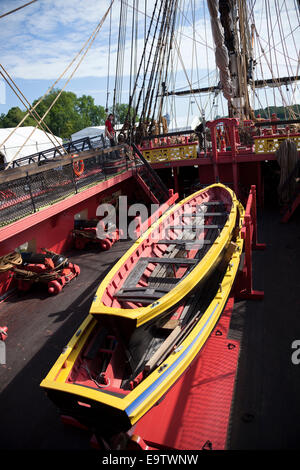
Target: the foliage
(121, 111)
(69, 114)
(280, 111)
(13, 117)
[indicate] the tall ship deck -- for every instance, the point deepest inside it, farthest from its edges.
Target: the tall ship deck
(149, 278)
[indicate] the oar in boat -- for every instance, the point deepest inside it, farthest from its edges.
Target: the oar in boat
(174, 338)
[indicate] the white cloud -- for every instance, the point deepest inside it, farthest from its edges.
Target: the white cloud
(39, 41)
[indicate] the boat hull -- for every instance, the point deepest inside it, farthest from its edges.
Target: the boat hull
(112, 410)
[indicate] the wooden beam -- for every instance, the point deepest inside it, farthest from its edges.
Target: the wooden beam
(162, 349)
(34, 168)
(258, 84)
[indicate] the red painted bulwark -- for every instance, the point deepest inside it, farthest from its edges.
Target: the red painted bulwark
(51, 227)
(52, 211)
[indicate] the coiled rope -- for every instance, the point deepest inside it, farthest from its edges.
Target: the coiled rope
(287, 158)
(11, 261)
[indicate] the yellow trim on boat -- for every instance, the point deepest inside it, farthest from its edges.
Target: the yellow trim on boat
(138, 401)
(143, 314)
(198, 335)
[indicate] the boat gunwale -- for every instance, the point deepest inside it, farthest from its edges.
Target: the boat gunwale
(188, 351)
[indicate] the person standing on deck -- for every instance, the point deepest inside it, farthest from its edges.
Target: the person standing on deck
(109, 129)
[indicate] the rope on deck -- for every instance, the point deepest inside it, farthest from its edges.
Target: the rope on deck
(287, 158)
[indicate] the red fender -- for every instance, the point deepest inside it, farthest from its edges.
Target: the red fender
(3, 333)
(76, 269)
(54, 287)
(105, 244)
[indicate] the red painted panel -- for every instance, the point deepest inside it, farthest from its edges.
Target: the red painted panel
(54, 232)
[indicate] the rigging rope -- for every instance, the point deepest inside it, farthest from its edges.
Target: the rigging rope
(165, 58)
(287, 158)
(89, 42)
(108, 61)
(287, 58)
(145, 115)
(10, 260)
(34, 113)
(17, 9)
(13, 260)
(141, 93)
(186, 75)
(145, 66)
(120, 56)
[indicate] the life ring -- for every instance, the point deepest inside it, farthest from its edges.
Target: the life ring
(78, 166)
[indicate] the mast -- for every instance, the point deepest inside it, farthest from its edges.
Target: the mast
(246, 61)
(233, 53)
(234, 30)
(221, 52)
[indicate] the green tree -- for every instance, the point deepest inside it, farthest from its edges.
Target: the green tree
(2, 116)
(14, 117)
(121, 111)
(90, 114)
(280, 111)
(62, 118)
(68, 114)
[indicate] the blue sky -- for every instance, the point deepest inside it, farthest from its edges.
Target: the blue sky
(38, 42)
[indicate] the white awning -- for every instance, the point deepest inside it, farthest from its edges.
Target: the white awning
(38, 142)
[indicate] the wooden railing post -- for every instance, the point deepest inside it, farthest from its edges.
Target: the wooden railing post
(255, 244)
(249, 234)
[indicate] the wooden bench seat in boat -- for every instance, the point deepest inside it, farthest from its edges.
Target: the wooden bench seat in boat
(131, 292)
(192, 241)
(177, 261)
(204, 214)
(142, 264)
(141, 294)
(213, 203)
(171, 251)
(159, 283)
(202, 227)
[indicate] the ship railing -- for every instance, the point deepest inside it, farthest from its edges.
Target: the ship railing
(26, 189)
(72, 146)
(222, 141)
(244, 288)
(178, 145)
(270, 143)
